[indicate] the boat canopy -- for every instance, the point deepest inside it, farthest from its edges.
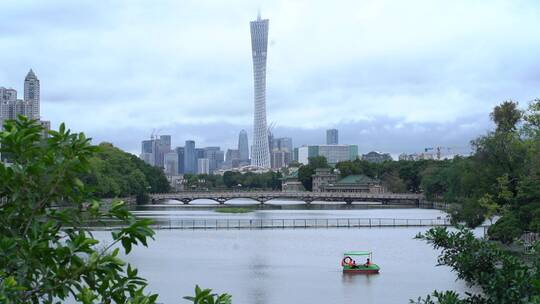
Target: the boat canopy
(357, 253)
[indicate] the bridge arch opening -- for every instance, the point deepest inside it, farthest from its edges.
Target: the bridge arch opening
(283, 202)
(242, 202)
(328, 203)
(204, 201)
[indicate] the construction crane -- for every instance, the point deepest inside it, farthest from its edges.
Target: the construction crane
(155, 133)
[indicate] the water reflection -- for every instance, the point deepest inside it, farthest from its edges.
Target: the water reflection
(290, 265)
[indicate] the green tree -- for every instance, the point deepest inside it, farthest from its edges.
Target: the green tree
(502, 277)
(46, 253)
(506, 116)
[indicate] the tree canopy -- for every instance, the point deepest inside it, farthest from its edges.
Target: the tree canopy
(46, 254)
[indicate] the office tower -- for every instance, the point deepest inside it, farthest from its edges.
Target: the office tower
(280, 159)
(243, 147)
(190, 158)
(31, 94)
(165, 141)
(11, 107)
(282, 144)
(150, 152)
(170, 163)
(163, 147)
(332, 153)
(215, 156)
(180, 153)
(199, 153)
(259, 45)
(332, 137)
(220, 158)
(203, 166)
(232, 158)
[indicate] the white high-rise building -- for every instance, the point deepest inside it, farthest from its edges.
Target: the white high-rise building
(31, 93)
(11, 107)
(260, 154)
(203, 166)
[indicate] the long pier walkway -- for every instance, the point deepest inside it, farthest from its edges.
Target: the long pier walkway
(288, 223)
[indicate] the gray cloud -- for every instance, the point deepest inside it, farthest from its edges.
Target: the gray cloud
(392, 76)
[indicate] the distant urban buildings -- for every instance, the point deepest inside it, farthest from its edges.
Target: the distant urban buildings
(376, 157)
(181, 160)
(416, 156)
(260, 153)
(281, 152)
(332, 137)
(232, 159)
(11, 107)
(332, 153)
(29, 106)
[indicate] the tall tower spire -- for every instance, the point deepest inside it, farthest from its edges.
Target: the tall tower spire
(259, 45)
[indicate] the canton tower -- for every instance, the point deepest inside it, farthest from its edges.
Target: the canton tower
(260, 154)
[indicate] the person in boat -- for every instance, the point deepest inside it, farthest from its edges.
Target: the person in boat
(368, 262)
(353, 264)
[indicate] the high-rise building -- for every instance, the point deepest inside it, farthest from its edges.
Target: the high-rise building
(190, 157)
(8, 94)
(232, 158)
(165, 142)
(281, 152)
(332, 137)
(11, 107)
(170, 163)
(260, 154)
(243, 147)
(332, 153)
(203, 166)
(31, 93)
(283, 144)
(163, 147)
(215, 156)
(148, 151)
(180, 153)
(280, 159)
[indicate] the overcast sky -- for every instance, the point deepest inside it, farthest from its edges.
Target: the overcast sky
(393, 76)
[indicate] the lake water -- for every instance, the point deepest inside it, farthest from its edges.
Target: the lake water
(267, 266)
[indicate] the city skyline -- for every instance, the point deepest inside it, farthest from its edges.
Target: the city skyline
(395, 86)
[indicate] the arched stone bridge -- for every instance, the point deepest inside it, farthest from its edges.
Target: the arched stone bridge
(308, 197)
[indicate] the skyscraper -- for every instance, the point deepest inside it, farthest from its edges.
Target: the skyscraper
(190, 158)
(180, 153)
(243, 147)
(332, 137)
(31, 93)
(259, 45)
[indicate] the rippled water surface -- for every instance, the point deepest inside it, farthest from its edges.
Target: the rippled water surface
(290, 265)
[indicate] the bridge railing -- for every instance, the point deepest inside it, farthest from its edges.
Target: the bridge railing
(290, 223)
(278, 194)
